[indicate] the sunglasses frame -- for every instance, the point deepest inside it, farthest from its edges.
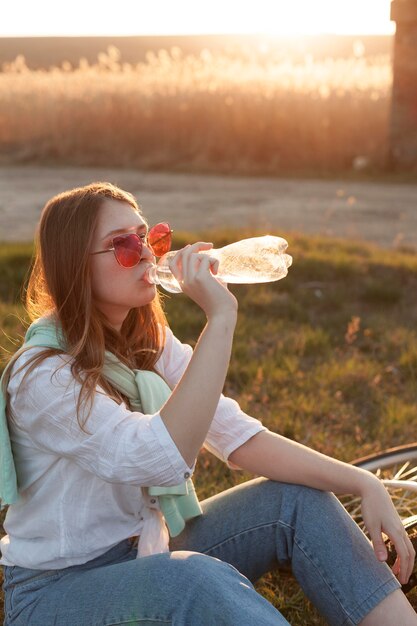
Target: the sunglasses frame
(141, 242)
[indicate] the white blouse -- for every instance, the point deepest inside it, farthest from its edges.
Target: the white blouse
(79, 490)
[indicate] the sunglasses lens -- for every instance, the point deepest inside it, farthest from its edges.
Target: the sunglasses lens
(159, 239)
(128, 249)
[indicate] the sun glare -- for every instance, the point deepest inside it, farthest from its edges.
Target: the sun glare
(163, 17)
(295, 18)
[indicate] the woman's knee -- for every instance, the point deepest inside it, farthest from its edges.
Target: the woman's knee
(182, 568)
(295, 502)
(195, 566)
(177, 587)
(276, 491)
(215, 592)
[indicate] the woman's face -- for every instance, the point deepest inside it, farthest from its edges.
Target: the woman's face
(117, 289)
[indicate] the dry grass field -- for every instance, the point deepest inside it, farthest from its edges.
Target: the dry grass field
(241, 109)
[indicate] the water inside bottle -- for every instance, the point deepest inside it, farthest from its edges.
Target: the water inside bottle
(250, 261)
(255, 260)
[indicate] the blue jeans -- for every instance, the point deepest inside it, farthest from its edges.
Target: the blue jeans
(206, 579)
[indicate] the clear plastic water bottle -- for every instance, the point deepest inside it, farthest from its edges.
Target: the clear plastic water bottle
(254, 260)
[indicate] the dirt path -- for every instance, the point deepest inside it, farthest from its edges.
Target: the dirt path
(383, 213)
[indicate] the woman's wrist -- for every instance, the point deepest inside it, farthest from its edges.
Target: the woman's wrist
(354, 481)
(224, 319)
(367, 482)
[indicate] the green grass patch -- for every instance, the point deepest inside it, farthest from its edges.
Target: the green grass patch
(327, 356)
(14, 266)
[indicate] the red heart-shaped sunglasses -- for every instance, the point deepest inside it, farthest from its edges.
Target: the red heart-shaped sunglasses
(128, 248)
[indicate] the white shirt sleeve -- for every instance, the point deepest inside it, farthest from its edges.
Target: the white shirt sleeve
(117, 445)
(231, 427)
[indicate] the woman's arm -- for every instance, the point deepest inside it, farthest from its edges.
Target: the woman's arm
(275, 457)
(188, 412)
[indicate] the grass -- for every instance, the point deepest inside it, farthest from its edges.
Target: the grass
(327, 357)
(250, 110)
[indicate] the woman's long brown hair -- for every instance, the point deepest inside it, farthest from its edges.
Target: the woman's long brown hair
(60, 285)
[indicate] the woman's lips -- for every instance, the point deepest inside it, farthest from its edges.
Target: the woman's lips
(147, 267)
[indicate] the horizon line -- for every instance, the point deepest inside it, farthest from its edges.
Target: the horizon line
(211, 34)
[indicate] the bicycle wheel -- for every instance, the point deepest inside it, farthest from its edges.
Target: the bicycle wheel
(397, 468)
(389, 458)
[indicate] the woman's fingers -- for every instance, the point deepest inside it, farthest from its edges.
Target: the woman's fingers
(196, 274)
(378, 543)
(193, 265)
(380, 516)
(412, 555)
(404, 563)
(205, 263)
(184, 264)
(405, 557)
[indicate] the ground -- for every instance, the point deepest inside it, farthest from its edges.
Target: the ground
(381, 212)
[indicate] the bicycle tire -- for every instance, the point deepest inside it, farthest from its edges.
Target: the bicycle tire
(387, 458)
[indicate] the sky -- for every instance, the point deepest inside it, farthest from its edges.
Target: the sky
(182, 17)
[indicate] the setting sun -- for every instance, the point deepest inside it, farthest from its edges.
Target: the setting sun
(163, 17)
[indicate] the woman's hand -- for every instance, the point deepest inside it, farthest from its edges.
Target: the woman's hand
(380, 516)
(196, 274)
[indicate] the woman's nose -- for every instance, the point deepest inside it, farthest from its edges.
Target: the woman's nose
(147, 253)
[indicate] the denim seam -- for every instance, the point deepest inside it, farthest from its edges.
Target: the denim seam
(8, 606)
(278, 523)
(243, 532)
(320, 573)
(349, 619)
(25, 583)
(30, 607)
(316, 567)
(352, 615)
(137, 621)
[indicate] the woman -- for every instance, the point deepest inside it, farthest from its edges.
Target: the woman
(96, 468)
